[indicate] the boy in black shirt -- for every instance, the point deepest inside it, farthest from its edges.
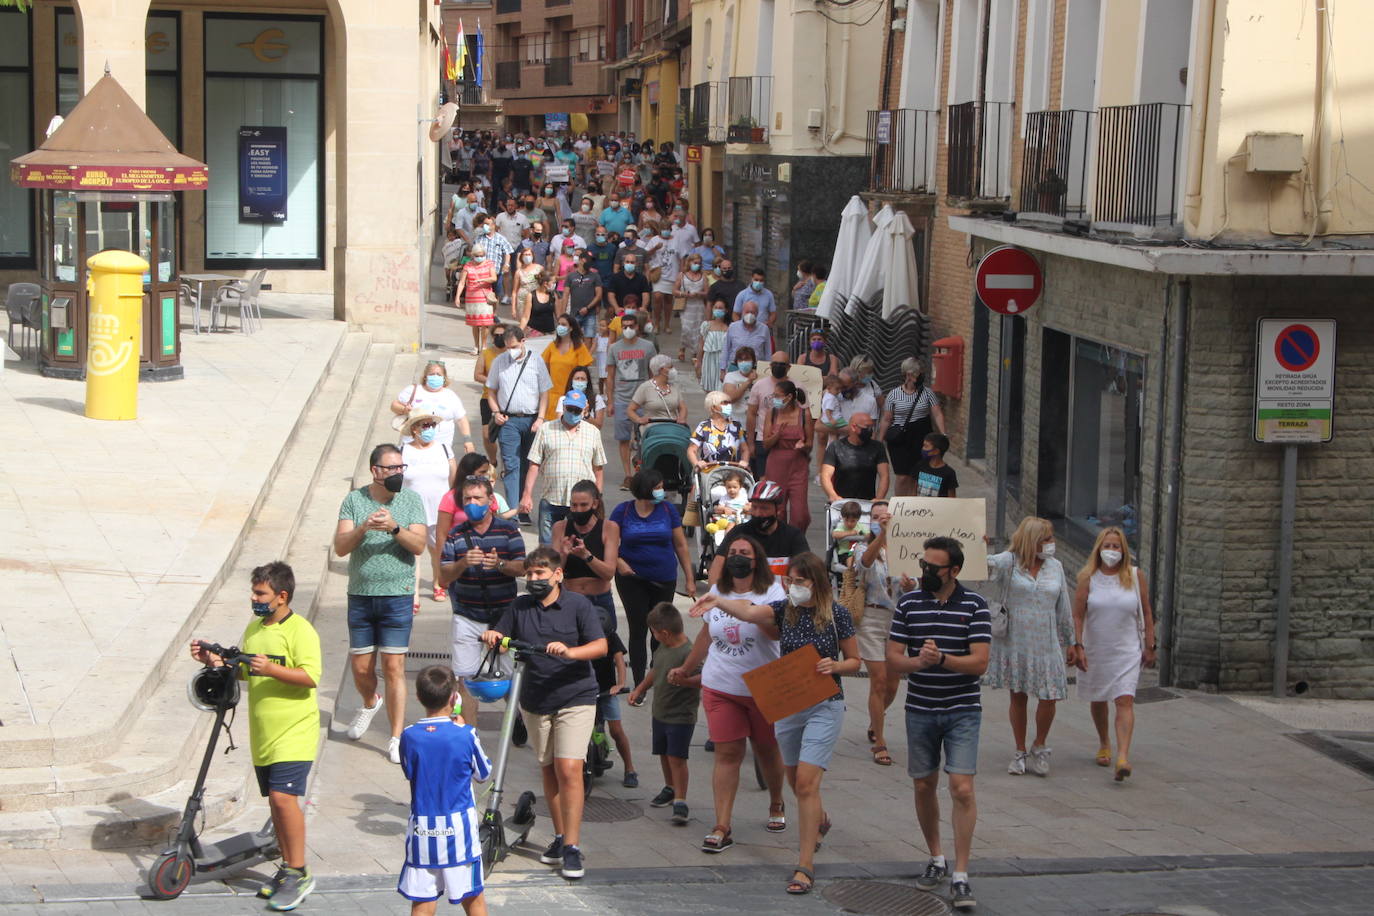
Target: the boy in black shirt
(933, 476)
(610, 679)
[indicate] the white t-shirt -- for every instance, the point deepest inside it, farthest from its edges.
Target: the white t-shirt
(737, 647)
(597, 408)
(444, 402)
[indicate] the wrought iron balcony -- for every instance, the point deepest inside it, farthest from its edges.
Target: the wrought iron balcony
(1138, 168)
(558, 71)
(979, 143)
(469, 94)
(750, 109)
(901, 150)
(1055, 164)
(706, 114)
(508, 74)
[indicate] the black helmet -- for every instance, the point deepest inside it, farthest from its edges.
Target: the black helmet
(214, 688)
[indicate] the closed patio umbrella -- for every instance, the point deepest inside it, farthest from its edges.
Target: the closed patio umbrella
(868, 280)
(902, 285)
(853, 237)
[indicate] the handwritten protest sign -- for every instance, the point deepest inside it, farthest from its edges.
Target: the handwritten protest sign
(916, 518)
(790, 684)
(808, 378)
(605, 168)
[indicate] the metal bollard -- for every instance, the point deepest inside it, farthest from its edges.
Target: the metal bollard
(113, 329)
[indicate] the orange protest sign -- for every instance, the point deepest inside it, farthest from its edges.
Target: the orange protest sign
(790, 684)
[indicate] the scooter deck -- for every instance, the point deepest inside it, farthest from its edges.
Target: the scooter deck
(235, 850)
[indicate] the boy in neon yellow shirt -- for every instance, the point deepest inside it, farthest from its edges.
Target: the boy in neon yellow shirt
(283, 718)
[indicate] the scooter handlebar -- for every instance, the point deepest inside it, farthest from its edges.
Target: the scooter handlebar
(230, 655)
(509, 643)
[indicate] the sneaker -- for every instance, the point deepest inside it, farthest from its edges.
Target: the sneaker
(572, 862)
(680, 813)
(961, 896)
(1040, 761)
(663, 799)
(393, 750)
(294, 888)
(363, 718)
(1018, 764)
(520, 735)
(525, 519)
(271, 887)
(554, 854)
(933, 876)
(631, 780)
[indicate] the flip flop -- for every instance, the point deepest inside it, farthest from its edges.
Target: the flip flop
(796, 887)
(777, 820)
(1104, 757)
(880, 755)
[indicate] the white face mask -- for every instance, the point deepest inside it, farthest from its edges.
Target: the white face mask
(1047, 551)
(1110, 557)
(750, 318)
(799, 595)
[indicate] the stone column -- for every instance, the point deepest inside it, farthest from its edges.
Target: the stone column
(112, 34)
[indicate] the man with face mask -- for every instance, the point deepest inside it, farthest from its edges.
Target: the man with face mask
(381, 530)
(616, 217)
(759, 294)
(780, 540)
(511, 223)
(855, 397)
(746, 331)
(566, 450)
(626, 369)
(941, 633)
(760, 402)
(855, 466)
(479, 561)
(519, 384)
(558, 696)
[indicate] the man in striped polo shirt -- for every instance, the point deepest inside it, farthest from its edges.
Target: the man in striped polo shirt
(940, 638)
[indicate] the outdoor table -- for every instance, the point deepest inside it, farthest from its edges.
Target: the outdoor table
(200, 280)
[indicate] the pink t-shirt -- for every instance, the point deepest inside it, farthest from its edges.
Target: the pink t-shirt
(449, 503)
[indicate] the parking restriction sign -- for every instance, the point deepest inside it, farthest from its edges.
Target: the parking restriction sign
(1295, 379)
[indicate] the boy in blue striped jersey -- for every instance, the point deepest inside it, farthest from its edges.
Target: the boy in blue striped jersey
(940, 638)
(441, 756)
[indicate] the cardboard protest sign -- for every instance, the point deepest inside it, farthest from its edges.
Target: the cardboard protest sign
(790, 684)
(809, 379)
(917, 518)
(556, 173)
(605, 168)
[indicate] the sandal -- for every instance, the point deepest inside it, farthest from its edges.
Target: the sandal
(1104, 757)
(1123, 769)
(796, 887)
(880, 755)
(440, 593)
(825, 828)
(718, 840)
(871, 737)
(777, 820)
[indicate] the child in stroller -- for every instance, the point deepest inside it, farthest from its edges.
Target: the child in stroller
(730, 503)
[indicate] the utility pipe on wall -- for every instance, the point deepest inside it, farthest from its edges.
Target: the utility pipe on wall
(1202, 77)
(843, 106)
(1165, 584)
(1316, 166)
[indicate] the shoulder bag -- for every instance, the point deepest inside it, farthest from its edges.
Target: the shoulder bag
(1001, 620)
(496, 427)
(853, 591)
(400, 419)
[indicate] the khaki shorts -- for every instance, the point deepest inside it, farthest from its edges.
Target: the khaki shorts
(872, 633)
(561, 734)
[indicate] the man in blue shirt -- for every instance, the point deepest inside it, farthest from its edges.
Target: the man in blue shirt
(761, 296)
(602, 252)
(940, 637)
(616, 216)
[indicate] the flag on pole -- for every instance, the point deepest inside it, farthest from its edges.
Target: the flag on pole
(461, 51)
(477, 68)
(449, 71)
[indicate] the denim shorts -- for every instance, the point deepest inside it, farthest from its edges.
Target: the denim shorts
(608, 707)
(379, 623)
(955, 731)
(809, 736)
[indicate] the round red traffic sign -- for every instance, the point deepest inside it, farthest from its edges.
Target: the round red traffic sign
(1297, 347)
(1008, 280)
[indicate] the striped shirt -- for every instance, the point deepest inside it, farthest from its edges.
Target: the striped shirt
(909, 406)
(441, 758)
(955, 625)
(481, 593)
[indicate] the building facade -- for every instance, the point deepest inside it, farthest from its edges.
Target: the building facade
(1180, 169)
(474, 90)
(349, 83)
(550, 65)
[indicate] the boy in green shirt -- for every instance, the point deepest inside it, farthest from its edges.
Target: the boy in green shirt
(675, 707)
(283, 718)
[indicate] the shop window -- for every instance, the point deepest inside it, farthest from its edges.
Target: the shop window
(16, 135)
(1091, 413)
(264, 73)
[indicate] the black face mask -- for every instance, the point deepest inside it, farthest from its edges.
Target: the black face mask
(739, 566)
(539, 589)
(779, 369)
(727, 274)
(393, 482)
(866, 434)
(498, 341)
(768, 525)
(931, 581)
(581, 518)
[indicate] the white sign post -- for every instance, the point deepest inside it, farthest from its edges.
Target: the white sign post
(1295, 379)
(918, 518)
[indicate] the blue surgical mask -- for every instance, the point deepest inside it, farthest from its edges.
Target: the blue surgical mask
(757, 286)
(629, 268)
(261, 608)
(745, 365)
(572, 417)
(727, 409)
(777, 403)
(562, 330)
(434, 381)
(875, 528)
(428, 433)
(717, 313)
(476, 511)
(579, 384)
(660, 494)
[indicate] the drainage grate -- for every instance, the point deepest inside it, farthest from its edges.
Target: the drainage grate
(1154, 694)
(417, 661)
(598, 810)
(1336, 746)
(881, 898)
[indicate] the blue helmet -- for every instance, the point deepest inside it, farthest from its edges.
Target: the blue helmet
(487, 691)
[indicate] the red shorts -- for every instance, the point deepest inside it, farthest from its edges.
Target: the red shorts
(734, 718)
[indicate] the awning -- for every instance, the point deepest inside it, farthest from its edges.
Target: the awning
(108, 143)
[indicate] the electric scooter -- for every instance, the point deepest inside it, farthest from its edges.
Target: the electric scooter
(497, 835)
(217, 690)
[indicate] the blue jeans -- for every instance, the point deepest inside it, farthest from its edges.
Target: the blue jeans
(955, 731)
(515, 439)
(549, 515)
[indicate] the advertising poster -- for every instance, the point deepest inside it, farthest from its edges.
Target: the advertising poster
(556, 122)
(262, 174)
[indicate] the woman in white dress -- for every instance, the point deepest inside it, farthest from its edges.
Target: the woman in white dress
(430, 470)
(874, 628)
(1031, 657)
(1114, 633)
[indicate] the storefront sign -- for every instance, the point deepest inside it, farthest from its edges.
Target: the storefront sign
(693, 154)
(915, 519)
(262, 174)
(1295, 379)
(110, 178)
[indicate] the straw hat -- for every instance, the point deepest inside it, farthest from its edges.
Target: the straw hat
(415, 416)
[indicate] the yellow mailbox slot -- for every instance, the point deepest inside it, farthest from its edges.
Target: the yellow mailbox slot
(116, 313)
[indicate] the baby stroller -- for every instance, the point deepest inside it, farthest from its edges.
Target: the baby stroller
(662, 445)
(708, 478)
(832, 521)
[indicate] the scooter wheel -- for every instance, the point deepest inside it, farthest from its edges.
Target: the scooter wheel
(524, 809)
(170, 874)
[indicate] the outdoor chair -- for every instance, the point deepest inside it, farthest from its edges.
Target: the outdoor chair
(23, 304)
(244, 297)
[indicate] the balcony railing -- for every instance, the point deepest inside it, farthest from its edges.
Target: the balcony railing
(469, 94)
(557, 2)
(1138, 149)
(750, 109)
(979, 142)
(507, 6)
(1055, 163)
(508, 74)
(558, 71)
(706, 115)
(901, 150)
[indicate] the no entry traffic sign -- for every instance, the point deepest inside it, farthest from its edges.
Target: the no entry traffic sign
(1008, 280)
(1295, 379)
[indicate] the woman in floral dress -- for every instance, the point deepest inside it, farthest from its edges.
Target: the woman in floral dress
(474, 291)
(1031, 658)
(712, 337)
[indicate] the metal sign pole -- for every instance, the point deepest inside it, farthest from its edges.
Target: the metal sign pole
(1287, 511)
(1003, 428)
